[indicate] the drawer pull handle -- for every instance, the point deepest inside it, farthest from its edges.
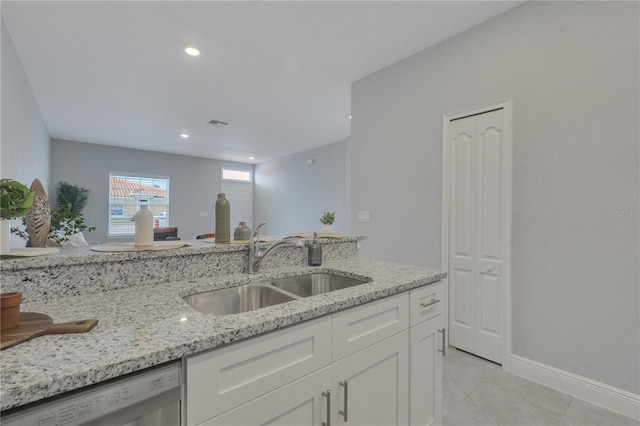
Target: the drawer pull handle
(327, 395)
(444, 342)
(433, 302)
(344, 413)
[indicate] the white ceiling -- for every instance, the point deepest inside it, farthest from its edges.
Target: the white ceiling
(115, 72)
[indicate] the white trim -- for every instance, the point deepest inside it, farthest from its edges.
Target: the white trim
(507, 106)
(614, 399)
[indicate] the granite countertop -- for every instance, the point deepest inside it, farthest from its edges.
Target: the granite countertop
(143, 326)
(69, 255)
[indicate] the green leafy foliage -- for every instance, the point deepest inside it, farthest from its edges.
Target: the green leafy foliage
(71, 197)
(65, 223)
(328, 218)
(66, 218)
(16, 199)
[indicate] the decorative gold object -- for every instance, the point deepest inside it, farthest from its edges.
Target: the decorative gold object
(39, 218)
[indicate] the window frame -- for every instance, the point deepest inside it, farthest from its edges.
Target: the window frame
(121, 202)
(238, 170)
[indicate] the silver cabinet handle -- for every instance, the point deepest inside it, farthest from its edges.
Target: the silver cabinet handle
(327, 395)
(344, 413)
(433, 302)
(444, 340)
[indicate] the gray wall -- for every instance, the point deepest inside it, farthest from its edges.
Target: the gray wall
(572, 71)
(24, 145)
(193, 182)
(291, 195)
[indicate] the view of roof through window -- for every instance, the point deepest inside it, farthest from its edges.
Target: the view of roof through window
(125, 195)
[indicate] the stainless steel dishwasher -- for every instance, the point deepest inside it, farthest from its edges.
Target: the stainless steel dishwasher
(148, 398)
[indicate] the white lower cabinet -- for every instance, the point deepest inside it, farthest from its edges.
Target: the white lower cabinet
(361, 366)
(372, 386)
(426, 372)
(427, 349)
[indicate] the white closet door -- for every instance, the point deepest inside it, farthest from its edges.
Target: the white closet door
(476, 234)
(490, 219)
(462, 235)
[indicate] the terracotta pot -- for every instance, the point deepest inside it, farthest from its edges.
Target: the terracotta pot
(9, 309)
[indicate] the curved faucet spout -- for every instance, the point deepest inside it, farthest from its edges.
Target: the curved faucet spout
(256, 256)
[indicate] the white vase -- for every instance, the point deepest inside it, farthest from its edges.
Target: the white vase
(327, 229)
(5, 236)
(144, 227)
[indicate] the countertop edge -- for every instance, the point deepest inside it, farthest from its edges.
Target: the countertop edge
(245, 326)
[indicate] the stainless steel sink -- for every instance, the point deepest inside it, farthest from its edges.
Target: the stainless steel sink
(236, 300)
(313, 284)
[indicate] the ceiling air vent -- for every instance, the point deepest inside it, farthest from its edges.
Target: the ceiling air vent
(218, 123)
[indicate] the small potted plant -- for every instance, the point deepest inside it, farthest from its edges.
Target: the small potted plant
(327, 220)
(16, 201)
(67, 219)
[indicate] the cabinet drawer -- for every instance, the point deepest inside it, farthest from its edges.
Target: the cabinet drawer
(365, 325)
(426, 302)
(224, 378)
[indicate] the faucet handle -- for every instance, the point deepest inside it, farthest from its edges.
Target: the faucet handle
(257, 231)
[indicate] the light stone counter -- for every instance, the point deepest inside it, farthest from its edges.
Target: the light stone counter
(79, 270)
(145, 325)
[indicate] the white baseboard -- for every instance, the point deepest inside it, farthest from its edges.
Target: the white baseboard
(606, 396)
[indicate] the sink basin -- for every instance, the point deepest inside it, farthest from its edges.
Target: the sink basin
(313, 284)
(236, 300)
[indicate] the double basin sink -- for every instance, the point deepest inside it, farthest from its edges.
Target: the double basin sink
(250, 297)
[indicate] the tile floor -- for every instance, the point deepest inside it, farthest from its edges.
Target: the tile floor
(478, 392)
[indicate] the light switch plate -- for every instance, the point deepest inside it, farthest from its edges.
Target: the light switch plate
(204, 214)
(364, 216)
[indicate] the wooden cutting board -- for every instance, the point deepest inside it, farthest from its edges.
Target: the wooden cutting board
(32, 324)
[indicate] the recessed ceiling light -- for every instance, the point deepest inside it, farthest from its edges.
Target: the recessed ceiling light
(252, 158)
(184, 135)
(192, 51)
(349, 117)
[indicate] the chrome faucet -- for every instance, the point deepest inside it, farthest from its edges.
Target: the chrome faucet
(256, 255)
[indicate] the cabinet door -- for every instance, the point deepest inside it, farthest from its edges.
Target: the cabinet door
(426, 372)
(377, 384)
(297, 404)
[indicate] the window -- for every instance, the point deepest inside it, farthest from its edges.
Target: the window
(125, 193)
(237, 175)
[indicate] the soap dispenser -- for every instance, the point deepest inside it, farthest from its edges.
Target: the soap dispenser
(315, 251)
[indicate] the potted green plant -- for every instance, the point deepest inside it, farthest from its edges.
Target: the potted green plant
(15, 201)
(67, 219)
(327, 220)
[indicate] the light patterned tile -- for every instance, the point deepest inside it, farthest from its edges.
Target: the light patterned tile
(489, 404)
(457, 419)
(462, 374)
(583, 413)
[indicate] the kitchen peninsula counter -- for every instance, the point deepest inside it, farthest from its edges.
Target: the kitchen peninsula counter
(143, 325)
